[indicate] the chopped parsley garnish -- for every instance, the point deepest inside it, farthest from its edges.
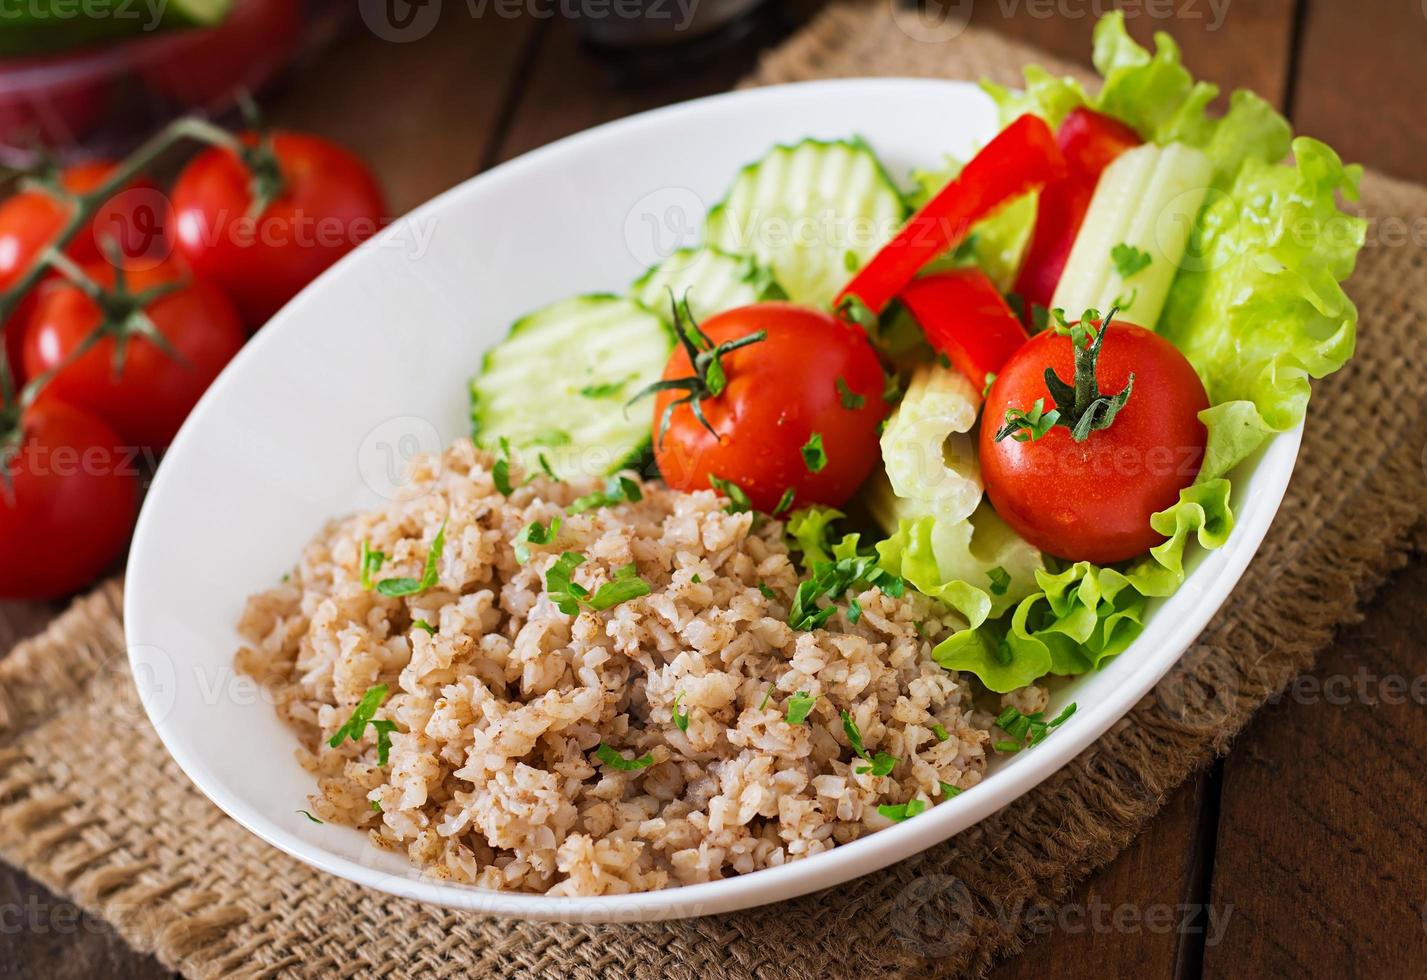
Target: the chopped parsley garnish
(814, 456)
(411, 586)
(898, 812)
(570, 596)
(785, 501)
(882, 765)
(1000, 580)
(618, 490)
(738, 501)
(850, 399)
(377, 806)
(534, 533)
(607, 389)
(854, 610)
(949, 790)
(854, 735)
(1128, 259)
(940, 732)
(611, 757)
(681, 718)
(767, 591)
(892, 387)
(421, 624)
(1028, 426)
(851, 260)
(1020, 727)
(623, 586)
(766, 695)
(500, 472)
(798, 707)
(546, 467)
(371, 563)
(696, 578)
(831, 580)
(310, 817)
(855, 311)
(356, 726)
(943, 361)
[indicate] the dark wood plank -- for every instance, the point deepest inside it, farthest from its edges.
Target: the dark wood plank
(421, 113)
(1133, 913)
(1321, 809)
(21, 619)
(1234, 43)
(567, 92)
(1320, 843)
(1362, 85)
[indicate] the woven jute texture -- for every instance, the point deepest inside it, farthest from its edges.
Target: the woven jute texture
(91, 804)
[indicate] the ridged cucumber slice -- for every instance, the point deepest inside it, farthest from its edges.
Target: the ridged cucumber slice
(712, 279)
(558, 383)
(814, 212)
(1148, 199)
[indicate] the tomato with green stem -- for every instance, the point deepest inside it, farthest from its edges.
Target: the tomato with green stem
(134, 219)
(1077, 467)
(780, 401)
(136, 347)
(265, 216)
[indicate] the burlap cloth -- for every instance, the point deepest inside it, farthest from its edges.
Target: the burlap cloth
(92, 806)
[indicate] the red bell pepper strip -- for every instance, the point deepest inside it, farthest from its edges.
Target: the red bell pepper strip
(965, 317)
(1022, 158)
(1090, 141)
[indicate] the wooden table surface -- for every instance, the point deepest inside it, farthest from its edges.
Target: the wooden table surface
(1298, 853)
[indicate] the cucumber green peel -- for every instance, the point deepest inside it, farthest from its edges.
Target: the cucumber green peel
(1257, 307)
(39, 27)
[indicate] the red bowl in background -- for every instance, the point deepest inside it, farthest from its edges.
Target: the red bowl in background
(104, 98)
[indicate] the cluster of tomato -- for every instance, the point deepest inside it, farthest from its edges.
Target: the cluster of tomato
(123, 331)
(794, 417)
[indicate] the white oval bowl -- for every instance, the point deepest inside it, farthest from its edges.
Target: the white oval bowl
(373, 359)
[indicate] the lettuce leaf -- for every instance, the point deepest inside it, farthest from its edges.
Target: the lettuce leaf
(1256, 306)
(1083, 614)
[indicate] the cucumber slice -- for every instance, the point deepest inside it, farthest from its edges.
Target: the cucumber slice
(1148, 199)
(814, 212)
(712, 279)
(51, 26)
(557, 385)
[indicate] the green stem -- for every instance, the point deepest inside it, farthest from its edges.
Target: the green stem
(87, 204)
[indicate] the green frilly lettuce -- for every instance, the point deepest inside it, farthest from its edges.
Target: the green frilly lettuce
(1082, 614)
(1258, 309)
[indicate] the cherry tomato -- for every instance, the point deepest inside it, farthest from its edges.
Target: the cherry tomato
(148, 400)
(329, 205)
(71, 504)
(205, 68)
(136, 219)
(1092, 500)
(781, 393)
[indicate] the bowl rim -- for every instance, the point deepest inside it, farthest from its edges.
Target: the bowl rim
(835, 866)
